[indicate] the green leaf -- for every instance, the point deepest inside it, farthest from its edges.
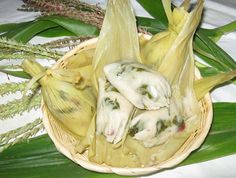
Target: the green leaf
(40, 157)
(27, 32)
(155, 9)
(6, 27)
(75, 26)
(59, 24)
(55, 32)
(221, 139)
(151, 25)
(206, 45)
(208, 71)
(209, 59)
(216, 33)
(20, 74)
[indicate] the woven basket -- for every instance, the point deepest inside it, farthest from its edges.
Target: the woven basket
(65, 142)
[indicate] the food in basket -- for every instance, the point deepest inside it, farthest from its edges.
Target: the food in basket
(137, 102)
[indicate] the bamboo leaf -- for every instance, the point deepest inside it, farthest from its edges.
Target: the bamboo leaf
(207, 71)
(210, 60)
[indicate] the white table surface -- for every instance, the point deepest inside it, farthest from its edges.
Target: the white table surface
(217, 12)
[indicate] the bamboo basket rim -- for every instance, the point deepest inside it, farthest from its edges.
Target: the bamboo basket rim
(192, 143)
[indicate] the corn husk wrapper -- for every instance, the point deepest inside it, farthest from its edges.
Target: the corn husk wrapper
(80, 77)
(154, 50)
(72, 107)
(119, 29)
(180, 76)
(118, 39)
(79, 59)
(203, 86)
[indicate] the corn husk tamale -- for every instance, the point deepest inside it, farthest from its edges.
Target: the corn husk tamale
(181, 91)
(118, 39)
(72, 107)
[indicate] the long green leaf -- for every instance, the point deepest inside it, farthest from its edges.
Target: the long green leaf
(203, 42)
(26, 31)
(75, 26)
(221, 140)
(155, 9)
(216, 33)
(207, 71)
(151, 25)
(55, 32)
(210, 60)
(40, 157)
(6, 27)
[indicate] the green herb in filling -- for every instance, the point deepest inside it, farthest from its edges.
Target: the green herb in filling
(109, 87)
(113, 103)
(143, 90)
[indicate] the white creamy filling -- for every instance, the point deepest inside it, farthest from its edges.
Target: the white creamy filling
(129, 85)
(154, 127)
(144, 88)
(113, 112)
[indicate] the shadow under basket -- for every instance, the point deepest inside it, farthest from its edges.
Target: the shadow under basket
(65, 142)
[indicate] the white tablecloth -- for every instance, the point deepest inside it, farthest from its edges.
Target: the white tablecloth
(216, 13)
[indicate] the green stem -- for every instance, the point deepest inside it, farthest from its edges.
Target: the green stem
(20, 134)
(20, 56)
(18, 106)
(13, 87)
(216, 33)
(7, 88)
(66, 42)
(15, 73)
(228, 28)
(32, 49)
(12, 67)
